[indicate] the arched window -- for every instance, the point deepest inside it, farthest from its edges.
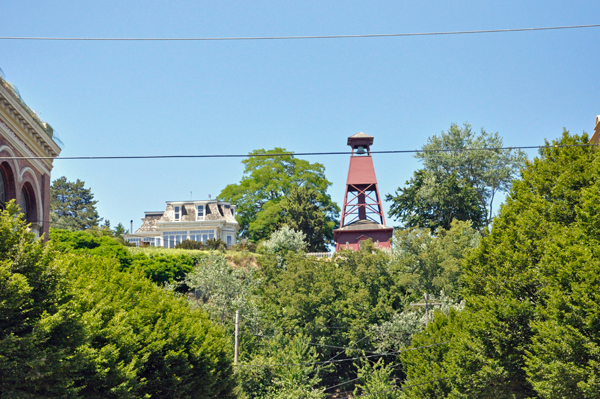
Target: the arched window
(3, 185)
(7, 184)
(27, 203)
(24, 203)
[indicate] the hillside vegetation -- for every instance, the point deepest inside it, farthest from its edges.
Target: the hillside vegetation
(512, 312)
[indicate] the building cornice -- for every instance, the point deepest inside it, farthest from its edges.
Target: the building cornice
(35, 136)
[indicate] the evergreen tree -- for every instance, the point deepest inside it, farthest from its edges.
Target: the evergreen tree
(302, 211)
(531, 325)
(72, 206)
(40, 331)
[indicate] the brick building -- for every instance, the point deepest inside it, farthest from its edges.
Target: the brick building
(24, 134)
(187, 220)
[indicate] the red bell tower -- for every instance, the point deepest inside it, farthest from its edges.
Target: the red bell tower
(362, 214)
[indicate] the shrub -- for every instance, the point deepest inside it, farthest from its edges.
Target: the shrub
(189, 244)
(216, 244)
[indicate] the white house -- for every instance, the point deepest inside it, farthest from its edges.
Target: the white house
(187, 220)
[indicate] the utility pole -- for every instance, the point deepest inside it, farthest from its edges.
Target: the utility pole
(426, 304)
(237, 334)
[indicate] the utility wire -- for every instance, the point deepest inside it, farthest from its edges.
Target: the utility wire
(173, 39)
(341, 360)
(323, 345)
(306, 153)
(397, 388)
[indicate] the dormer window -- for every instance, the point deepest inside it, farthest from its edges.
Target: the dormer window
(177, 213)
(200, 212)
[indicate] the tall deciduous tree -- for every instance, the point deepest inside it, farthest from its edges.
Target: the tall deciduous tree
(462, 174)
(72, 206)
(266, 181)
(432, 202)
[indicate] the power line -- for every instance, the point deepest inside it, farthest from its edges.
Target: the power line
(375, 35)
(341, 360)
(323, 345)
(304, 153)
(397, 388)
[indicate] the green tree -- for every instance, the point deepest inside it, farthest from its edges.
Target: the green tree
(72, 206)
(432, 263)
(302, 211)
(530, 325)
(269, 179)
(144, 341)
(120, 230)
(299, 378)
(76, 326)
(286, 240)
(221, 289)
(453, 163)
(334, 302)
(39, 329)
(433, 202)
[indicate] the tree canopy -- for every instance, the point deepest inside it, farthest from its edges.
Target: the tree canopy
(74, 326)
(460, 179)
(72, 206)
(530, 327)
(266, 181)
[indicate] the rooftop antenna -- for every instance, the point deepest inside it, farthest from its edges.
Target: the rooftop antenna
(208, 196)
(191, 196)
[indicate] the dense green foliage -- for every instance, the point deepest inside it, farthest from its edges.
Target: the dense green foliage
(190, 244)
(160, 267)
(302, 211)
(456, 184)
(266, 182)
(74, 326)
(39, 330)
(431, 203)
(531, 326)
(72, 206)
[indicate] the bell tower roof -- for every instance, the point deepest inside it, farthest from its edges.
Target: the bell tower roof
(359, 139)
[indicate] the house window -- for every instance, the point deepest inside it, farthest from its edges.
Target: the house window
(200, 212)
(202, 235)
(228, 241)
(177, 213)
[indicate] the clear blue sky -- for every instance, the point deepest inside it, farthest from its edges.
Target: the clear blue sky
(163, 98)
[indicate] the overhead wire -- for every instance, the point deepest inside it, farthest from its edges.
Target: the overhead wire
(331, 360)
(315, 344)
(396, 388)
(274, 155)
(373, 35)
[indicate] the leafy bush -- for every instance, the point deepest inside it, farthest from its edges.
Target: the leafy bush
(286, 239)
(189, 244)
(222, 289)
(216, 244)
(161, 267)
